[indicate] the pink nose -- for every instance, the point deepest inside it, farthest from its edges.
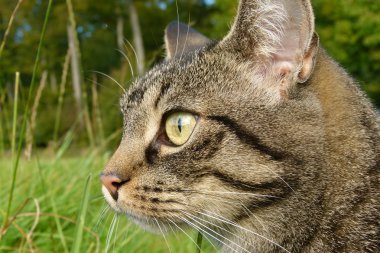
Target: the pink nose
(112, 183)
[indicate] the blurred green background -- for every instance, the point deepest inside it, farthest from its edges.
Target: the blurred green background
(349, 30)
(71, 115)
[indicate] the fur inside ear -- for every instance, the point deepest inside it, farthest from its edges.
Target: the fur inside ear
(181, 39)
(278, 34)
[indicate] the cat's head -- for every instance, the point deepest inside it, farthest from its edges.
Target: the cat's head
(223, 128)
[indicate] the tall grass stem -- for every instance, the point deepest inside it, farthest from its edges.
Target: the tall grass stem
(15, 116)
(55, 210)
(26, 111)
(199, 242)
(33, 116)
(81, 217)
(97, 121)
(62, 90)
(76, 51)
(2, 124)
(6, 34)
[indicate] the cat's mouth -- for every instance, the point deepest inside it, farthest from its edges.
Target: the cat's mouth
(154, 218)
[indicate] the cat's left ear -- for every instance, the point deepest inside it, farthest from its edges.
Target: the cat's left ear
(279, 34)
(181, 39)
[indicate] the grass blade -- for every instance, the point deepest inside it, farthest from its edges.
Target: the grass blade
(199, 242)
(62, 89)
(2, 129)
(81, 217)
(26, 112)
(55, 210)
(9, 27)
(14, 120)
(33, 116)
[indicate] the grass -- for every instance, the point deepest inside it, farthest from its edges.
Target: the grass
(56, 191)
(52, 202)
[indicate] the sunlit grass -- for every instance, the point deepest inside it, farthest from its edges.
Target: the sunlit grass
(59, 195)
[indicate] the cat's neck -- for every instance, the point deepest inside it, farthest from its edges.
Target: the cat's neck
(343, 190)
(352, 158)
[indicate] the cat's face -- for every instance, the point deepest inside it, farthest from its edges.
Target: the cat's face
(207, 133)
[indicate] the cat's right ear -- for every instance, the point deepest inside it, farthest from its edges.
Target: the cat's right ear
(278, 35)
(181, 39)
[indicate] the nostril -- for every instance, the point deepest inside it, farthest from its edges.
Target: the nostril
(112, 183)
(117, 185)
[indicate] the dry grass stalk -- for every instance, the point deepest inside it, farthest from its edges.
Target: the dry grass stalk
(11, 19)
(77, 74)
(62, 90)
(15, 115)
(96, 110)
(33, 116)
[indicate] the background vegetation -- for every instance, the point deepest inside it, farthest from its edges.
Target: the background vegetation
(61, 121)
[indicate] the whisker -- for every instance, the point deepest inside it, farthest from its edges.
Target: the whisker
(200, 223)
(184, 232)
(242, 228)
(158, 224)
(234, 193)
(101, 216)
(172, 229)
(110, 232)
(187, 35)
(90, 80)
(115, 237)
(246, 209)
(192, 225)
(104, 74)
(204, 231)
(176, 46)
(249, 212)
(129, 62)
(133, 49)
(277, 175)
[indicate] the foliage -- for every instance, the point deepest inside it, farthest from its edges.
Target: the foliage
(349, 30)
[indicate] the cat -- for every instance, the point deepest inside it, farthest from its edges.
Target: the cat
(260, 141)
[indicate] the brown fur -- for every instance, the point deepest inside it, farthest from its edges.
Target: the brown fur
(288, 173)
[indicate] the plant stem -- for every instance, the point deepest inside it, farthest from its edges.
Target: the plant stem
(62, 89)
(14, 120)
(2, 132)
(76, 58)
(81, 217)
(9, 27)
(51, 199)
(26, 112)
(199, 242)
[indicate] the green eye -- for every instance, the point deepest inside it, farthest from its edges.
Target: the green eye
(179, 126)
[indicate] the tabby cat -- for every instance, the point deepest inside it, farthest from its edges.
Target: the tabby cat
(260, 141)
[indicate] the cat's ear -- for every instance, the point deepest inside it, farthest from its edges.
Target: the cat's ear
(181, 39)
(279, 33)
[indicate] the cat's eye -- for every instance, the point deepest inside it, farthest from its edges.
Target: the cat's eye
(179, 126)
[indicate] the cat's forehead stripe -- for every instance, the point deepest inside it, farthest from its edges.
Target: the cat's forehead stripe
(136, 96)
(164, 89)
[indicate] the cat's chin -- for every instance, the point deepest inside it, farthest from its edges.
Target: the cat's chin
(148, 223)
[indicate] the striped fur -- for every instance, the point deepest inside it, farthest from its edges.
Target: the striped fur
(274, 164)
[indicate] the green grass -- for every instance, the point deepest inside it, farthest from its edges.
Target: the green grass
(53, 203)
(55, 189)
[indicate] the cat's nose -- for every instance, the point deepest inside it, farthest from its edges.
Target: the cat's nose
(112, 183)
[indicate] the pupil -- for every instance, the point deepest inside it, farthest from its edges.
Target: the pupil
(180, 124)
